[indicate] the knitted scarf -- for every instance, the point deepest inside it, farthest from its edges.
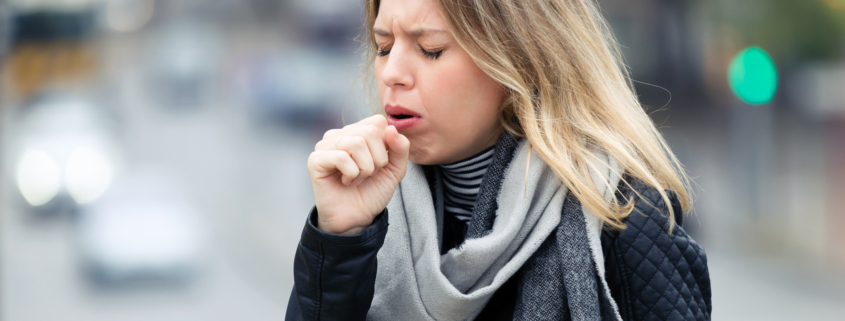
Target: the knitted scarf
(524, 219)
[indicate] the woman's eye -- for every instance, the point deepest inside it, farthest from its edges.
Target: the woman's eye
(431, 54)
(383, 52)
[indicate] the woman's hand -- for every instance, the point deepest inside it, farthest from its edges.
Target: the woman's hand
(354, 172)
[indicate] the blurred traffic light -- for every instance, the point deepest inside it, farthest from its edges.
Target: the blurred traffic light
(753, 76)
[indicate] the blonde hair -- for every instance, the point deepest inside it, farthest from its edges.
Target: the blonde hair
(567, 91)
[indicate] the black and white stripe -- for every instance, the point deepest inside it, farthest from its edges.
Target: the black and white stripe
(462, 180)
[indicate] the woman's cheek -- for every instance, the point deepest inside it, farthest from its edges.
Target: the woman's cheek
(444, 92)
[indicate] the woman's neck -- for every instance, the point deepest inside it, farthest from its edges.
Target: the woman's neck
(462, 182)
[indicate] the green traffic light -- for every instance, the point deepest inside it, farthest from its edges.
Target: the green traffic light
(753, 76)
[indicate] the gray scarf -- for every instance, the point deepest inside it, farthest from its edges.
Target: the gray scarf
(523, 219)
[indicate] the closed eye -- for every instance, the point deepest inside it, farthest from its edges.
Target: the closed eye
(433, 55)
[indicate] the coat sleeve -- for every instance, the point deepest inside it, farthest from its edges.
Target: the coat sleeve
(334, 275)
(654, 274)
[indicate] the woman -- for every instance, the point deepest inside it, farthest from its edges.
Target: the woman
(511, 174)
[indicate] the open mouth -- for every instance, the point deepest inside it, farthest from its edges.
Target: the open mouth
(402, 116)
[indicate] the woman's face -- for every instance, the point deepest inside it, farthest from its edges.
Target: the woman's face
(430, 88)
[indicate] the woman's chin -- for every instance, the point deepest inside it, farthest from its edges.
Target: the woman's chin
(422, 156)
(429, 152)
(418, 158)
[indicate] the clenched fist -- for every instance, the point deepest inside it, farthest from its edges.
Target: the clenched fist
(354, 172)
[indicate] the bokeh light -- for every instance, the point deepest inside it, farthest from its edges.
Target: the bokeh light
(129, 15)
(753, 76)
(38, 177)
(87, 174)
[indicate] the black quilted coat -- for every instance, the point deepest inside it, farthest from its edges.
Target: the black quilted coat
(652, 275)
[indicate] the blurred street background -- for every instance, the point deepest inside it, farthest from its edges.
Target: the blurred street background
(152, 152)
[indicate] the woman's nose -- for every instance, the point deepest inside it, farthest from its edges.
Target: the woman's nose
(397, 72)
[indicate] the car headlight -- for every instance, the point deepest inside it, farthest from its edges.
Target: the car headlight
(38, 177)
(88, 173)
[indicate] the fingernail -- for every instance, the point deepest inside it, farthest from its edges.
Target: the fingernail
(357, 181)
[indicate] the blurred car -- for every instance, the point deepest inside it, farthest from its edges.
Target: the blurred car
(133, 223)
(63, 147)
(143, 228)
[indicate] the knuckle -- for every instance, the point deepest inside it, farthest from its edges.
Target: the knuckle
(353, 169)
(330, 133)
(340, 157)
(312, 160)
(359, 142)
(320, 145)
(368, 169)
(381, 120)
(371, 130)
(381, 162)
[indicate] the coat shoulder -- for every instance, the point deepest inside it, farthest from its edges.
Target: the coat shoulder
(655, 272)
(648, 202)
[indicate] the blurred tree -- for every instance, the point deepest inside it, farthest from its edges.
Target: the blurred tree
(790, 29)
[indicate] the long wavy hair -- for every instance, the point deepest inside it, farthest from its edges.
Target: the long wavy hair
(567, 91)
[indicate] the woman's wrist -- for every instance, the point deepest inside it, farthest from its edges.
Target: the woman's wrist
(344, 229)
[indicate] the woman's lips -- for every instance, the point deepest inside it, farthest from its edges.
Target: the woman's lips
(403, 123)
(401, 118)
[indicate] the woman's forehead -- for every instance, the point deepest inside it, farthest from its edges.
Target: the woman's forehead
(410, 16)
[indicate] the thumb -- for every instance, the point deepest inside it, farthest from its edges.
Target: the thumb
(398, 148)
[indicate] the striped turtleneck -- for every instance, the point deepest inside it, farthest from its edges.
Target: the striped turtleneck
(462, 181)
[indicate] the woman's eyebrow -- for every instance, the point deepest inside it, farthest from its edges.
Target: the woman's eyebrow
(416, 32)
(381, 32)
(419, 32)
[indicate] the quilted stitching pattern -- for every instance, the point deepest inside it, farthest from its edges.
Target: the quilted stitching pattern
(666, 275)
